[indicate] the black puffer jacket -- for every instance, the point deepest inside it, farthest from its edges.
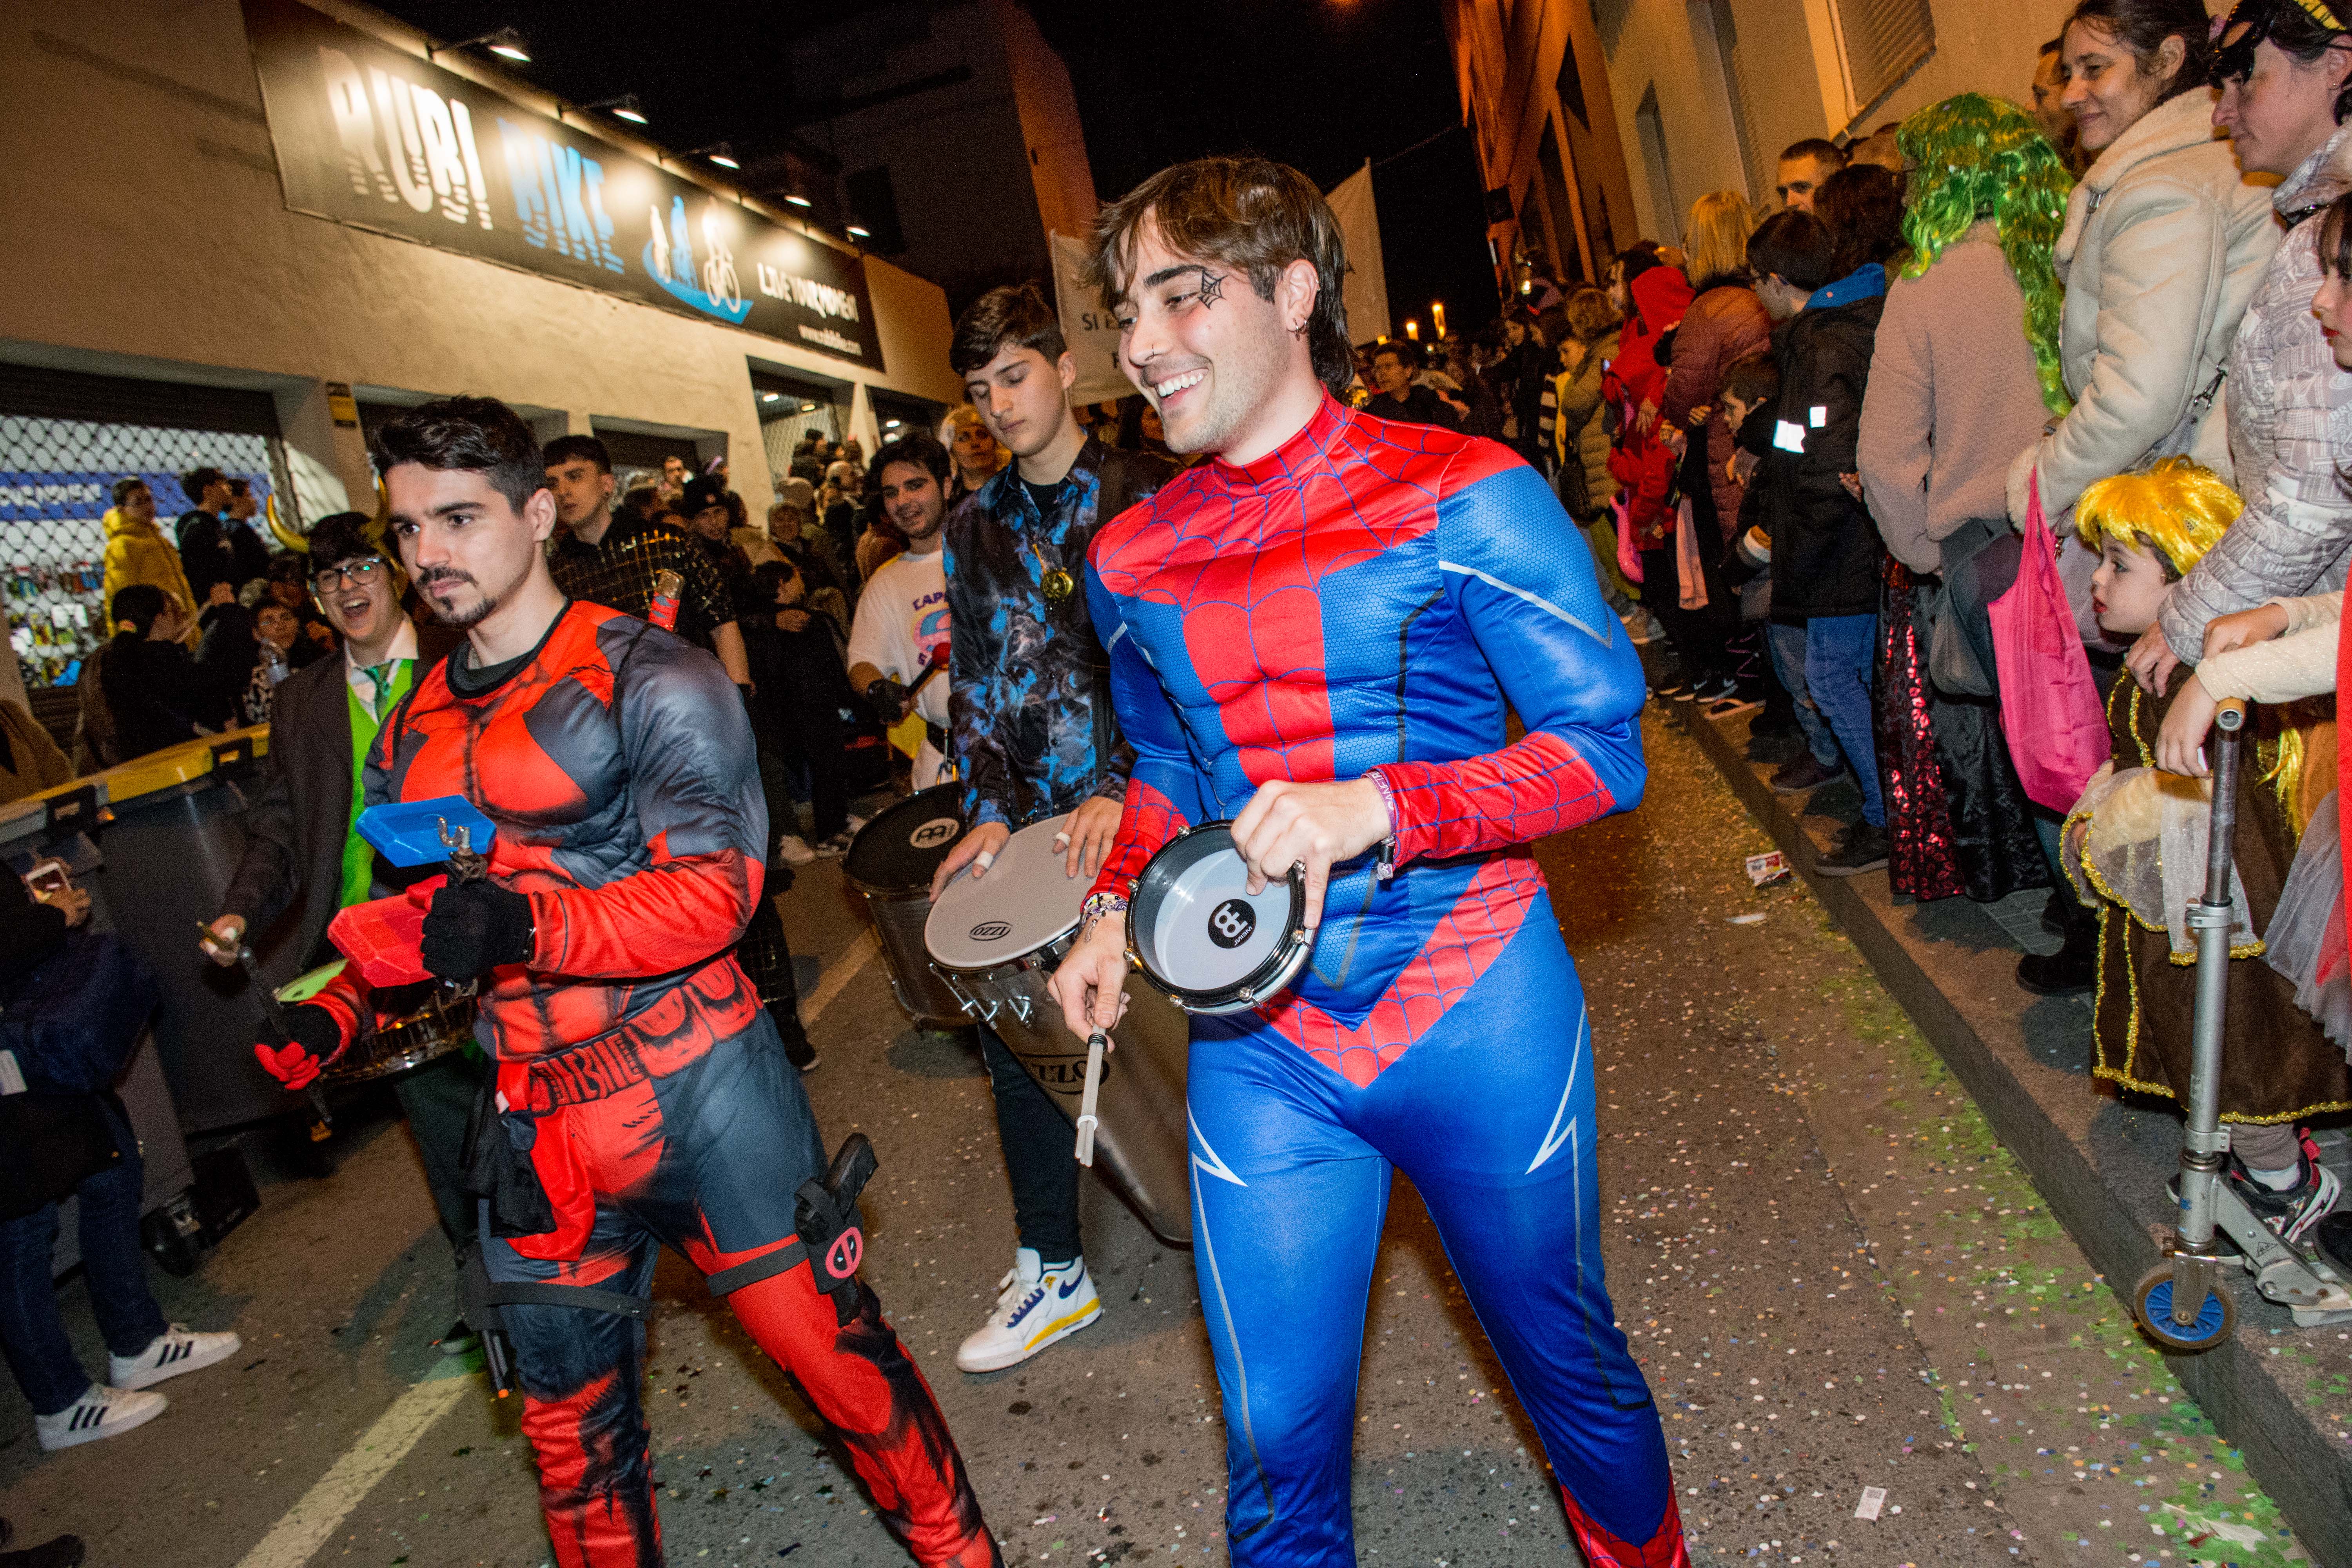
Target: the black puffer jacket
(1825, 549)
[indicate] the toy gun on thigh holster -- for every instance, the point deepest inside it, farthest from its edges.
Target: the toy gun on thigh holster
(826, 1233)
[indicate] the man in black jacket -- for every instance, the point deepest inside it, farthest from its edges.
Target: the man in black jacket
(217, 544)
(300, 848)
(1400, 399)
(1825, 549)
(154, 693)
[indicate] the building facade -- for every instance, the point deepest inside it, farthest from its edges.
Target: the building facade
(1600, 121)
(249, 228)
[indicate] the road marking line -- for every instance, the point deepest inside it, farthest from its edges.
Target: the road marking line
(837, 975)
(314, 1520)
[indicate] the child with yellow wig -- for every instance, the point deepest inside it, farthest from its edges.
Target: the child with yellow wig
(2135, 850)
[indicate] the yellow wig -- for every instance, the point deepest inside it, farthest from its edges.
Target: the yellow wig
(2175, 507)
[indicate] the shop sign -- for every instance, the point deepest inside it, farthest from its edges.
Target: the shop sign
(370, 135)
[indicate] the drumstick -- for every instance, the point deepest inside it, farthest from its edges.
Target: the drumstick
(276, 1015)
(1096, 1043)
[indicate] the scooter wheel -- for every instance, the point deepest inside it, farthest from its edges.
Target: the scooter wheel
(2217, 1317)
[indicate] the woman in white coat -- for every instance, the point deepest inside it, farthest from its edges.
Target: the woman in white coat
(2165, 242)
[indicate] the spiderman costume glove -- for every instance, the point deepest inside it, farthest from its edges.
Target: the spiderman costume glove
(316, 1038)
(474, 927)
(888, 699)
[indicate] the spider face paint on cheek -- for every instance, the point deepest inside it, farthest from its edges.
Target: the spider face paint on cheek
(1213, 288)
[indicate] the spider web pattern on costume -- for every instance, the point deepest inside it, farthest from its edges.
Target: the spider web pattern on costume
(1467, 939)
(1450, 810)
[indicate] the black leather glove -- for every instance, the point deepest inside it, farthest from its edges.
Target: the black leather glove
(888, 699)
(474, 927)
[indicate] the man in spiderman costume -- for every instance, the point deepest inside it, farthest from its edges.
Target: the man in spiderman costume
(1317, 634)
(642, 1095)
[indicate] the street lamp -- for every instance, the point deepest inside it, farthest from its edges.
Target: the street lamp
(1437, 317)
(504, 42)
(793, 198)
(624, 107)
(857, 231)
(718, 152)
(1412, 328)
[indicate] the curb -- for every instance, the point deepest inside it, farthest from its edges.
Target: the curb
(2100, 1164)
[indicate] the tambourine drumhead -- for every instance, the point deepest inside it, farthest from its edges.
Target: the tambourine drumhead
(902, 848)
(1025, 901)
(1202, 937)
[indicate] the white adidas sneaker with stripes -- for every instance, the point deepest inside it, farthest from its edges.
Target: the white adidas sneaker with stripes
(176, 1349)
(102, 1411)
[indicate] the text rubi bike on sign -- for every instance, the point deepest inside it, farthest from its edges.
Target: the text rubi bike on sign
(370, 135)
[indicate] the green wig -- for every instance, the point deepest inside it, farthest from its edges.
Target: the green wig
(1974, 158)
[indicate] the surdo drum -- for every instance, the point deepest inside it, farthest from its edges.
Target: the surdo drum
(995, 940)
(1202, 938)
(891, 862)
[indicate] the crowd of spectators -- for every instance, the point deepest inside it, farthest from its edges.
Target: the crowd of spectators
(1994, 417)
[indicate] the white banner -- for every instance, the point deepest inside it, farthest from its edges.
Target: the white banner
(1092, 335)
(1366, 288)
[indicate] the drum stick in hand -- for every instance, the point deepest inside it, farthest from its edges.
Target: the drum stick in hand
(1096, 1043)
(276, 1013)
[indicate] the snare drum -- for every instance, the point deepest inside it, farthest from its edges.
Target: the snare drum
(439, 1024)
(891, 863)
(1201, 938)
(995, 940)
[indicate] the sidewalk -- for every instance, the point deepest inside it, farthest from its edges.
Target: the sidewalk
(2282, 1393)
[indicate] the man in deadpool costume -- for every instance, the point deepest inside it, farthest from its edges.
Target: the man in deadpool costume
(642, 1095)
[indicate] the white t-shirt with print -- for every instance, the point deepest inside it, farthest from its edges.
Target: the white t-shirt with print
(902, 615)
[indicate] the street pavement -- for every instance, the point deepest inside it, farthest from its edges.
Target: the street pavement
(1837, 1281)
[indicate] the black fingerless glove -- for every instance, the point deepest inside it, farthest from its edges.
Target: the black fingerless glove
(886, 698)
(474, 927)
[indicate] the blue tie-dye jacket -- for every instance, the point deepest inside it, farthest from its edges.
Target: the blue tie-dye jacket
(1029, 717)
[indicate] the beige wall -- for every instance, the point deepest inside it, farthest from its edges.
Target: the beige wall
(1049, 124)
(149, 236)
(1507, 59)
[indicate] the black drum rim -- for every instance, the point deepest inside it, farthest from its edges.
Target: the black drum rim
(1272, 976)
(951, 794)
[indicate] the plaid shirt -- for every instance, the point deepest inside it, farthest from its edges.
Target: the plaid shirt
(618, 571)
(1029, 715)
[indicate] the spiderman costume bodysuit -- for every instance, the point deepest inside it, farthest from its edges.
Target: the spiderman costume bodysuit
(640, 1076)
(1371, 596)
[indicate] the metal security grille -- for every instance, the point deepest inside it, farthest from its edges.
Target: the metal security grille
(56, 481)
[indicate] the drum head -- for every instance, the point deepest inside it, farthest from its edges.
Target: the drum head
(901, 849)
(1025, 901)
(1197, 930)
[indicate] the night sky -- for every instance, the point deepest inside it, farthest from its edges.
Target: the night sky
(1322, 84)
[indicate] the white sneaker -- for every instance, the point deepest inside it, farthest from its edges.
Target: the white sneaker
(102, 1411)
(1039, 1306)
(793, 851)
(175, 1351)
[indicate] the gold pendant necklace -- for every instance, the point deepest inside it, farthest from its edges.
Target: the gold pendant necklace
(1059, 585)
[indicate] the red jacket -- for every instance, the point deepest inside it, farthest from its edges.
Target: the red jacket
(1722, 327)
(1634, 380)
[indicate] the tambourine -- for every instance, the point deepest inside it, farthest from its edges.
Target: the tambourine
(1201, 938)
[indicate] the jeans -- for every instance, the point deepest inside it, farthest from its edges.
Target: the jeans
(32, 1330)
(1786, 646)
(1035, 1136)
(1839, 651)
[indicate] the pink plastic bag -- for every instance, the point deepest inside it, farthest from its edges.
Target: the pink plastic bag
(1629, 560)
(2049, 705)
(1687, 566)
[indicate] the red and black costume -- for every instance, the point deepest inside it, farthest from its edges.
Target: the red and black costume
(639, 1077)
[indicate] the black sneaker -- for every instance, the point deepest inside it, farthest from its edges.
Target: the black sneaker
(1807, 771)
(1714, 689)
(1861, 849)
(64, 1551)
(2294, 1212)
(2069, 972)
